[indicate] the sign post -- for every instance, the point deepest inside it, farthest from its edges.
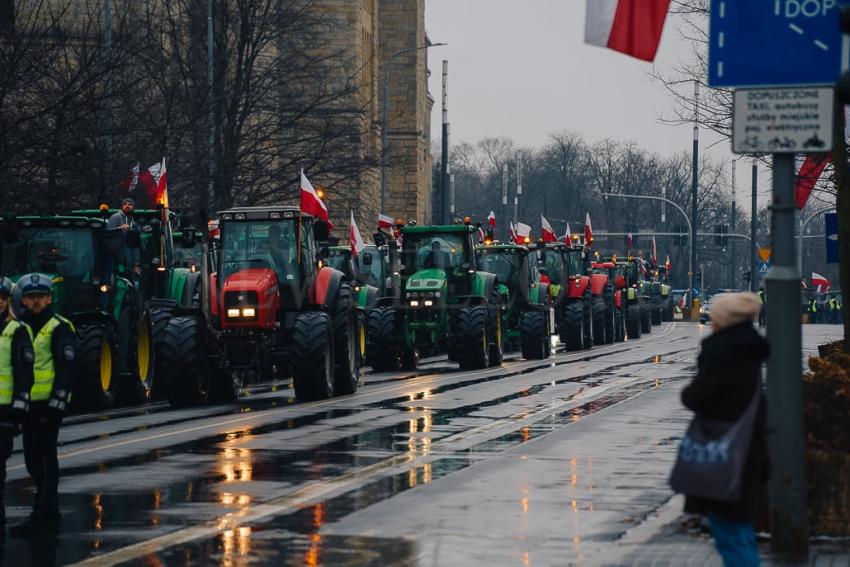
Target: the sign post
(797, 45)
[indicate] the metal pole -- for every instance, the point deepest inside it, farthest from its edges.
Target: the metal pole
(518, 185)
(789, 535)
(107, 40)
(211, 201)
(451, 195)
(753, 224)
(444, 166)
(801, 224)
(733, 272)
(385, 116)
(505, 202)
(694, 187)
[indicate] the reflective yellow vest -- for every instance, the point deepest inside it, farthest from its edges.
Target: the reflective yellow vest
(7, 381)
(43, 369)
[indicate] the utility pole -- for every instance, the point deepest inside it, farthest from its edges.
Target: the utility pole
(753, 225)
(211, 201)
(518, 185)
(504, 202)
(694, 187)
(451, 195)
(787, 488)
(107, 40)
(444, 173)
(734, 270)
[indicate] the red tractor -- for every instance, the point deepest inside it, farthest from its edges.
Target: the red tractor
(270, 306)
(617, 286)
(571, 292)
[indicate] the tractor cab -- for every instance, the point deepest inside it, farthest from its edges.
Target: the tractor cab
(366, 269)
(437, 259)
(511, 265)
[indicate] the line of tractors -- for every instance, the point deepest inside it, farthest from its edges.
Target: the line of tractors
(271, 296)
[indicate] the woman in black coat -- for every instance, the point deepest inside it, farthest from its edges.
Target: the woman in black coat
(729, 373)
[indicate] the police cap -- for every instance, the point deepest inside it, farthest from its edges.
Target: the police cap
(6, 286)
(35, 283)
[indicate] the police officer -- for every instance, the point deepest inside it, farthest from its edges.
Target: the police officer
(55, 350)
(16, 359)
(762, 307)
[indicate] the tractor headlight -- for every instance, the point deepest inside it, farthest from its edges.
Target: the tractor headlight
(249, 312)
(233, 313)
(414, 303)
(428, 303)
(104, 288)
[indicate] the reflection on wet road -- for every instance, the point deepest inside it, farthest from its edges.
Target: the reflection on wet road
(519, 464)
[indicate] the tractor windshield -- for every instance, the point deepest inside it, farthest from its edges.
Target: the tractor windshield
(69, 252)
(446, 251)
(267, 244)
(340, 259)
(505, 263)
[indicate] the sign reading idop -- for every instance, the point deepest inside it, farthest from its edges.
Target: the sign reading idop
(787, 120)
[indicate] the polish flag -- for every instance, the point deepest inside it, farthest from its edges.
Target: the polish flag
(548, 232)
(512, 233)
(132, 180)
(311, 203)
(385, 221)
(149, 180)
(632, 27)
(629, 240)
(821, 282)
(162, 186)
(808, 176)
(654, 253)
(523, 231)
(481, 235)
(354, 237)
(568, 237)
(491, 219)
(588, 232)
(668, 265)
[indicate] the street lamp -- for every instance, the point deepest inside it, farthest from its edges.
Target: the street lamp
(384, 123)
(690, 232)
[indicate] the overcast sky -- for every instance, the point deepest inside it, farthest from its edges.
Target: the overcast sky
(520, 69)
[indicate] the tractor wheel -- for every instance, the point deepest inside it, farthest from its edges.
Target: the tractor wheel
(226, 385)
(497, 349)
(535, 337)
(667, 311)
(572, 325)
(645, 318)
(587, 323)
(94, 388)
(159, 319)
(657, 316)
(619, 326)
(633, 321)
(384, 356)
(312, 356)
(410, 359)
(192, 291)
(185, 376)
(472, 334)
(346, 342)
(600, 323)
(142, 360)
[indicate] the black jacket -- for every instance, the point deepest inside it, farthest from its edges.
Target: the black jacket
(64, 348)
(729, 371)
(22, 360)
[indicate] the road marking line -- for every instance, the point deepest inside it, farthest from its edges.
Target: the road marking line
(822, 45)
(301, 497)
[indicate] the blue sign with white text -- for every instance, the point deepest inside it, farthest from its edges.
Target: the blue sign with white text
(763, 43)
(831, 224)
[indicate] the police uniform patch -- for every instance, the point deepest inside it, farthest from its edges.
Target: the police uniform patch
(29, 355)
(68, 353)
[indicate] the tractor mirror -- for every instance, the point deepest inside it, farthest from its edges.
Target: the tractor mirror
(134, 238)
(367, 258)
(188, 239)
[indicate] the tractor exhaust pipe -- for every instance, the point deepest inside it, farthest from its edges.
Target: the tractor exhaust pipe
(205, 268)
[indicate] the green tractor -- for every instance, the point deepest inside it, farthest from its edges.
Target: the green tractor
(666, 303)
(638, 317)
(368, 270)
(527, 316)
(116, 355)
(445, 304)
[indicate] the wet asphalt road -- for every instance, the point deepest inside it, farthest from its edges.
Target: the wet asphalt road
(535, 462)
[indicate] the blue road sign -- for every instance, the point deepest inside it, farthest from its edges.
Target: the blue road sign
(774, 42)
(763, 268)
(831, 222)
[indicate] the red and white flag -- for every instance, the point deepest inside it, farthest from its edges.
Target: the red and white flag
(629, 241)
(512, 232)
(654, 253)
(808, 176)
(523, 231)
(385, 222)
(548, 231)
(632, 27)
(354, 237)
(481, 235)
(132, 180)
(668, 265)
(491, 219)
(162, 186)
(821, 282)
(311, 203)
(149, 180)
(568, 237)
(588, 231)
